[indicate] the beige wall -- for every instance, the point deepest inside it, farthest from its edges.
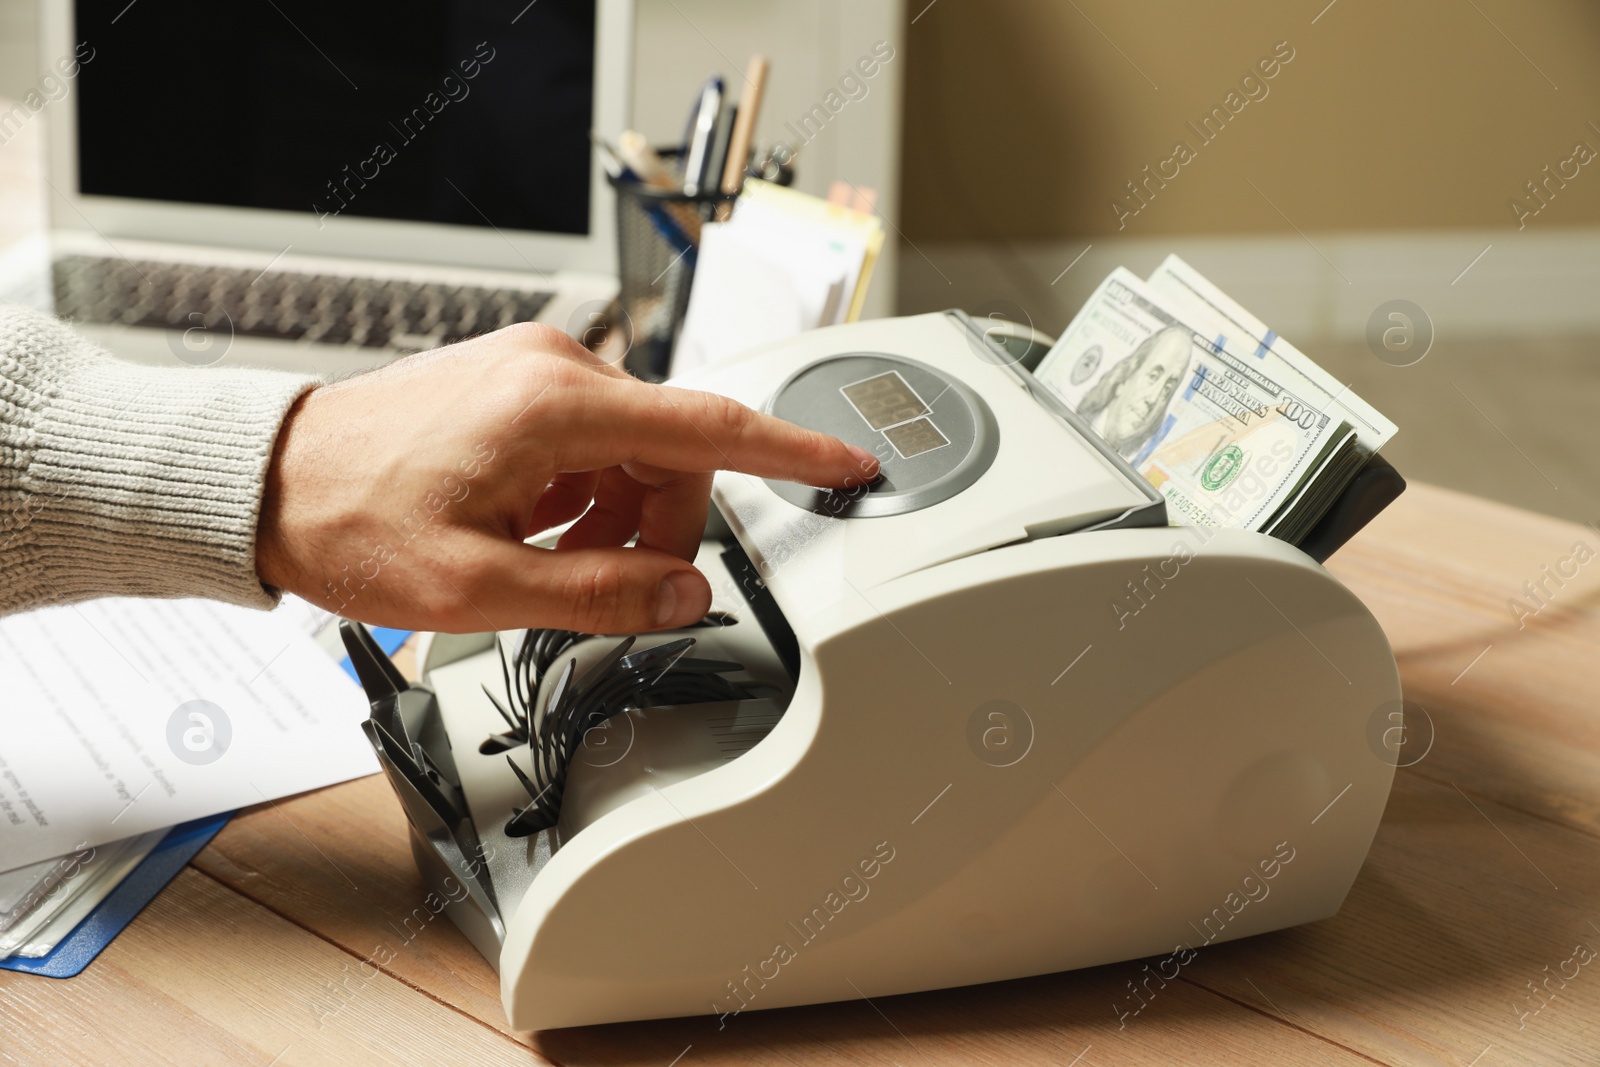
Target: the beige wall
(1024, 120)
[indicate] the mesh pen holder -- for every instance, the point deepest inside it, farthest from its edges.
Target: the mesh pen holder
(658, 231)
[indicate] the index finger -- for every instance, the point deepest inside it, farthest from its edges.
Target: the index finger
(688, 430)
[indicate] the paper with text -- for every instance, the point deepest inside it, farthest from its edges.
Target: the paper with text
(123, 716)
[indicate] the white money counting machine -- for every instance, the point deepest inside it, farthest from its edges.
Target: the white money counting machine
(986, 717)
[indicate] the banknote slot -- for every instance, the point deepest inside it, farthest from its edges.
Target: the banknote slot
(1152, 512)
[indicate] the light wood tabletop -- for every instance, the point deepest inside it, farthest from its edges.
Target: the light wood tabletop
(1465, 940)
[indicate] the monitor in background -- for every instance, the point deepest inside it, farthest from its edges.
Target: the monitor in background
(464, 112)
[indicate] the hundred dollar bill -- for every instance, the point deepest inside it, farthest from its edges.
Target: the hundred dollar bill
(1372, 430)
(1227, 439)
(1176, 277)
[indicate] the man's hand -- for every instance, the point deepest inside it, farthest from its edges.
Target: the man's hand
(402, 497)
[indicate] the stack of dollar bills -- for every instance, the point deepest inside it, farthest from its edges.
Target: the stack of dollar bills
(1231, 423)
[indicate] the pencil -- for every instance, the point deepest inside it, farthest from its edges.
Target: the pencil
(744, 129)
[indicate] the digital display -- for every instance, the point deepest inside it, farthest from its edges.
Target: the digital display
(884, 400)
(915, 437)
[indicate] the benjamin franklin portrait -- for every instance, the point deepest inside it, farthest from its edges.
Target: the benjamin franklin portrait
(1126, 406)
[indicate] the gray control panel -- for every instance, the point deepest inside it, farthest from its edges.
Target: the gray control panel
(933, 436)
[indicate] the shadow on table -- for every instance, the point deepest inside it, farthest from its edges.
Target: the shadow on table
(1051, 1018)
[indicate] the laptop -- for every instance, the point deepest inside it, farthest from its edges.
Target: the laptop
(325, 186)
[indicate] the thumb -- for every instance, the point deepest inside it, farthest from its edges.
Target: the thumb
(591, 590)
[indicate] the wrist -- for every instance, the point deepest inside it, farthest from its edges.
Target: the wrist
(274, 537)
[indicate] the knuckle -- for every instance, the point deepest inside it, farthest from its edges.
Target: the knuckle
(726, 419)
(538, 336)
(539, 387)
(597, 596)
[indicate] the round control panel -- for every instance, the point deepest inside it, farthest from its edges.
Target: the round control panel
(933, 436)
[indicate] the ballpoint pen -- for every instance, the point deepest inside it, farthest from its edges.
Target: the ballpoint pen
(697, 156)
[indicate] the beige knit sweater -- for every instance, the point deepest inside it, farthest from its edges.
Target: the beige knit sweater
(128, 480)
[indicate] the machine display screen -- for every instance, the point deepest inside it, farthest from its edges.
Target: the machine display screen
(884, 400)
(933, 435)
(915, 437)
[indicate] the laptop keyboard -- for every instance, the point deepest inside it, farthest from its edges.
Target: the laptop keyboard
(322, 308)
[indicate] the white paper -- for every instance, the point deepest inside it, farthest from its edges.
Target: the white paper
(97, 710)
(785, 263)
(746, 295)
(821, 256)
(305, 615)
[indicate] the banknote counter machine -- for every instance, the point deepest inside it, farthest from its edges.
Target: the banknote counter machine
(986, 717)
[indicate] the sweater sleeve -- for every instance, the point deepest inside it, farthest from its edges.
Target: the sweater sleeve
(118, 479)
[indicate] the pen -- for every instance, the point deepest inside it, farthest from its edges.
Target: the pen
(720, 142)
(696, 163)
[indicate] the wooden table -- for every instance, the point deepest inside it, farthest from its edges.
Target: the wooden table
(1484, 878)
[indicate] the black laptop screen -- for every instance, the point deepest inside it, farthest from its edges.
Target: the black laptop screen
(471, 112)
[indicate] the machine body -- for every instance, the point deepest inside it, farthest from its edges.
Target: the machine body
(997, 719)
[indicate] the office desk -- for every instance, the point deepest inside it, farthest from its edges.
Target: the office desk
(1484, 877)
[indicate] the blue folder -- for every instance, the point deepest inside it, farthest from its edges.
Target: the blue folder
(79, 948)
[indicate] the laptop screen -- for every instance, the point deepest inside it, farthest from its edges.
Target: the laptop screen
(467, 112)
